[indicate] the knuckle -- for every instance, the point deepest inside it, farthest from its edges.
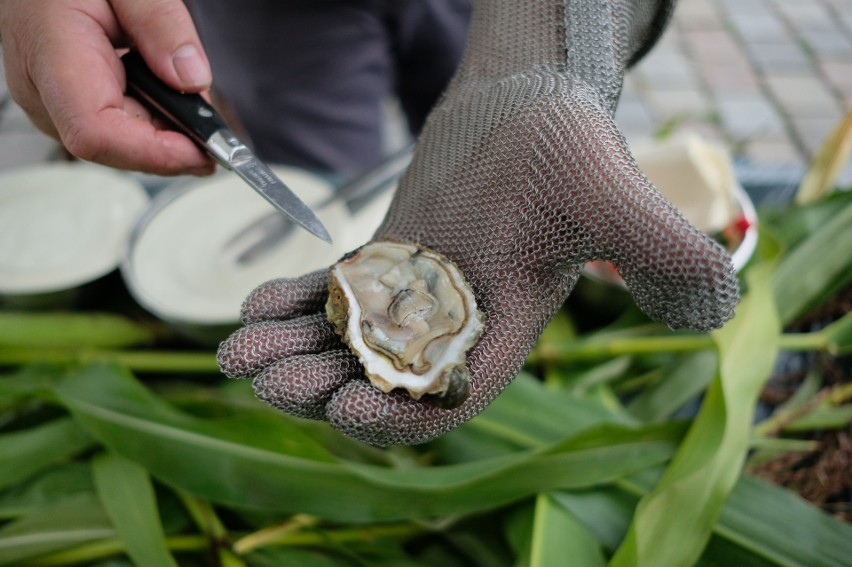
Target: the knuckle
(83, 143)
(160, 14)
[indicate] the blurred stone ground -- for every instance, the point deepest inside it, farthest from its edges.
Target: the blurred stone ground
(20, 142)
(769, 78)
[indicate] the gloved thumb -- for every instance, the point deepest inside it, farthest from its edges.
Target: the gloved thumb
(162, 30)
(677, 274)
(604, 208)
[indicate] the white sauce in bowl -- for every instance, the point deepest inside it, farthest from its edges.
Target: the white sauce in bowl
(180, 267)
(63, 225)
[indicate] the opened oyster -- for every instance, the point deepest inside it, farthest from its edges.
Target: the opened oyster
(409, 316)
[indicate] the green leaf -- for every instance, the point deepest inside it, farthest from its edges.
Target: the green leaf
(206, 519)
(127, 495)
(813, 266)
(300, 557)
(835, 151)
(761, 524)
(25, 453)
(708, 463)
(560, 329)
(531, 415)
(47, 489)
(164, 362)
(114, 562)
(204, 457)
(721, 551)
(477, 544)
(684, 381)
(519, 529)
(26, 384)
(73, 522)
(821, 418)
(94, 552)
(266, 429)
(839, 335)
(776, 524)
(235, 400)
(606, 512)
(78, 330)
(558, 535)
(791, 225)
(600, 375)
(807, 389)
(527, 414)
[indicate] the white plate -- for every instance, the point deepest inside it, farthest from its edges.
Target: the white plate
(63, 225)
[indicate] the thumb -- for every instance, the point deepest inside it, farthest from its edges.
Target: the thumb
(163, 32)
(677, 274)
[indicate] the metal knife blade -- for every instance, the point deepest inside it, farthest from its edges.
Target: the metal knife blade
(258, 175)
(271, 229)
(196, 118)
(233, 154)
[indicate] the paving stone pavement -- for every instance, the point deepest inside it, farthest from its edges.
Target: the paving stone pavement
(769, 78)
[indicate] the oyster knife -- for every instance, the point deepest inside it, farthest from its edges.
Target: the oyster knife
(196, 118)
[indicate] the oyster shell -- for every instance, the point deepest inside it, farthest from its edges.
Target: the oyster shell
(408, 315)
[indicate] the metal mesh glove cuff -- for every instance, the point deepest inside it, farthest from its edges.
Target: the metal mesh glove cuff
(520, 177)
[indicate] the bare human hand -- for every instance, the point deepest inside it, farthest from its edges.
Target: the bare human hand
(63, 68)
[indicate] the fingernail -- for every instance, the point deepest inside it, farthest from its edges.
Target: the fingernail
(191, 67)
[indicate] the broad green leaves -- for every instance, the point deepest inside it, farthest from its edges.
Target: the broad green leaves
(559, 537)
(126, 493)
(583, 464)
(205, 457)
(24, 453)
(74, 330)
(673, 523)
(822, 259)
(73, 522)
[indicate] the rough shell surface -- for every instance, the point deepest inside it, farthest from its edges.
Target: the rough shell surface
(408, 315)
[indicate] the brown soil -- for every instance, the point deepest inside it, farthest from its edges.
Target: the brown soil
(823, 476)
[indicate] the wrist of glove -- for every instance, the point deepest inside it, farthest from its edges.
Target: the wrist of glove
(519, 179)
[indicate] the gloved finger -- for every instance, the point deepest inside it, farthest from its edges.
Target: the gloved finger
(302, 385)
(677, 274)
(286, 298)
(694, 285)
(516, 311)
(249, 350)
(163, 32)
(363, 412)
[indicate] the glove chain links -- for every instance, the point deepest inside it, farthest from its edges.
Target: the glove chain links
(520, 177)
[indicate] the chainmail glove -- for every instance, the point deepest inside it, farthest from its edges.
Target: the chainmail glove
(520, 177)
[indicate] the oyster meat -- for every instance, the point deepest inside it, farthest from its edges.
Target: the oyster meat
(410, 317)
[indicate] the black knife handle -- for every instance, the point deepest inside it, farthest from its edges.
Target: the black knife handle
(190, 113)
